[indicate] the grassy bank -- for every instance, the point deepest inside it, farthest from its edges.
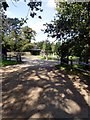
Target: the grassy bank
(8, 62)
(75, 69)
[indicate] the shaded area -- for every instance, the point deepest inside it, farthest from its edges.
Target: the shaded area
(83, 74)
(43, 92)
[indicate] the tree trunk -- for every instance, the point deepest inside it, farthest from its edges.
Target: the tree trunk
(80, 59)
(71, 62)
(87, 60)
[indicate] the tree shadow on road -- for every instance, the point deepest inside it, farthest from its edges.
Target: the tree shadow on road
(43, 92)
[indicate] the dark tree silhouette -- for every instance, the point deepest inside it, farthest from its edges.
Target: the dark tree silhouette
(33, 5)
(72, 26)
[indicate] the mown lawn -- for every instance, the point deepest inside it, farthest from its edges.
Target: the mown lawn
(8, 62)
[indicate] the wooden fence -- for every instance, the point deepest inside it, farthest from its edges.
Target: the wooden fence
(15, 56)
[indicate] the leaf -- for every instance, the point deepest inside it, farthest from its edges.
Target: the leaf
(37, 9)
(39, 17)
(5, 5)
(39, 4)
(32, 15)
(41, 10)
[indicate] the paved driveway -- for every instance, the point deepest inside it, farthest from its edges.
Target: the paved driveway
(36, 89)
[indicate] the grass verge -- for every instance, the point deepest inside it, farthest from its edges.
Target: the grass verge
(49, 58)
(8, 62)
(75, 69)
(85, 75)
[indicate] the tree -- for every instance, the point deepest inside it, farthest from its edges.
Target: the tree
(53, 48)
(71, 26)
(13, 26)
(47, 48)
(40, 44)
(15, 37)
(27, 47)
(33, 5)
(10, 33)
(28, 33)
(58, 49)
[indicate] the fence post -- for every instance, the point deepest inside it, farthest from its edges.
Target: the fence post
(9, 57)
(18, 57)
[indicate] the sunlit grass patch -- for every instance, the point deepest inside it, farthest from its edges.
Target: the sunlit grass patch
(81, 66)
(49, 57)
(63, 67)
(74, 69)
(73, 57)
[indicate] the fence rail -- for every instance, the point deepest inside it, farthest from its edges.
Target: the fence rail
(16, 57)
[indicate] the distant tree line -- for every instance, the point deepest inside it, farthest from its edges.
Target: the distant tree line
(15, 37)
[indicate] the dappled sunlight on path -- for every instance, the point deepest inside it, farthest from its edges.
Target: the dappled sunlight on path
(43, 92)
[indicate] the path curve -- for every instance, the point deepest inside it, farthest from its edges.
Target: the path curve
(36, 89)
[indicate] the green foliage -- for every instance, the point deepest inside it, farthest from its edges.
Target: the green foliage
(5, 5)
(34, 6)
(28, 33)
(57, 48)
(47, 47)
(75, 67)
(53, 47)
(72, 27)
(15, 37)
(64, 67)
(27, 47)
(40, 44)
(9, 43)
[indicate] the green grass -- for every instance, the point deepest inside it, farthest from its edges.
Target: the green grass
(50, 57)
(72, 71)
(43, 58)
(81, 67)
(73, 57)
(64, 67)
(8, 62)
(73, 68)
